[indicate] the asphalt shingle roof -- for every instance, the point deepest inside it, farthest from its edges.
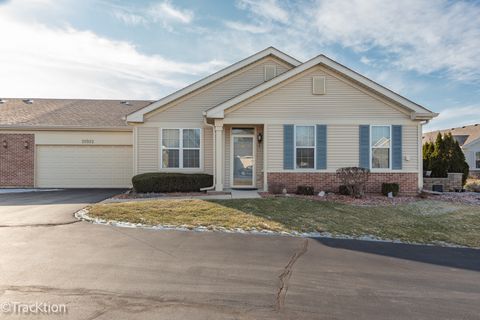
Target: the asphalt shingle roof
(67, 113)
(464, 135)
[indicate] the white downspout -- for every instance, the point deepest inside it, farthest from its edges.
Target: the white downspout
(420, 154)
(213, 148)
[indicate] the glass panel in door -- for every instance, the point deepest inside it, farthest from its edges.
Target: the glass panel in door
(243, 162)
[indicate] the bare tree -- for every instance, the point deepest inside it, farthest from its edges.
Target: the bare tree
(354, 179)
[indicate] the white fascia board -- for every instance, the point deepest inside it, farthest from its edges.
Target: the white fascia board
(137, 116)
(218, 111)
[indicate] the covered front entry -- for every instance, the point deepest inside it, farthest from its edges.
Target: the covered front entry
(242, 157)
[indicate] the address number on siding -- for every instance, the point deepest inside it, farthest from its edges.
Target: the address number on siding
(88, 141)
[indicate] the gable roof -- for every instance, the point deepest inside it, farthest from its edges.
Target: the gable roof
(66, 113)
(416, 110)
(465, 135)
(137, 116)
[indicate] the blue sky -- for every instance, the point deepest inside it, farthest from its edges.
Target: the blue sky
(427, 50)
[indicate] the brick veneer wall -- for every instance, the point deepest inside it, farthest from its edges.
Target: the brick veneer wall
(327, 181)
(17, 162)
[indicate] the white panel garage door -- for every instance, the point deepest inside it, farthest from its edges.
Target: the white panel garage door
(84, 166)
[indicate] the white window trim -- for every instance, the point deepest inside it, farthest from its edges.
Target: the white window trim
(389, 151)
(314, 147)
(181, 148)
(477, 153)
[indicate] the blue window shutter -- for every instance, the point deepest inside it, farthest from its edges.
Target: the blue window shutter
(288, 146)
(397, 147)
(321, 152)
(364, 146)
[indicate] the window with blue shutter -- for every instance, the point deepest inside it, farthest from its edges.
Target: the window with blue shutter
(396, 147)
(364, 146)
(288, 146)
(321, 151)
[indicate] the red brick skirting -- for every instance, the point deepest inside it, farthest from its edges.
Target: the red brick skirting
(328, 181)
(17, 160)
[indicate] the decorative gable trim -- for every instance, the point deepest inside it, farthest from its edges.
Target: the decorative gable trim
(138, 116)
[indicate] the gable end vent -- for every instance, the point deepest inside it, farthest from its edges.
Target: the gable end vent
(270, 72)
(318, 85)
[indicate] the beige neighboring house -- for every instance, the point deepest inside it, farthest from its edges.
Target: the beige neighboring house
(266, 119)
(468, 138)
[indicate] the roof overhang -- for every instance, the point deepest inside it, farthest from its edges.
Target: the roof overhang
(138, 116)
(65, 128)
(417, 112)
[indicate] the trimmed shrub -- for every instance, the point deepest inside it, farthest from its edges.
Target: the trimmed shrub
(276, 188)
(305, 190)
(159, 182)
(343, 190)
(390, 187)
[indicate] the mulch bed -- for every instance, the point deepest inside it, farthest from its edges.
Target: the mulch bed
(380, 200)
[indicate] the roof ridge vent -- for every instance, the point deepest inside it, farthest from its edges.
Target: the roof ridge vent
(28, 101)
(125, 102)
(2, 101)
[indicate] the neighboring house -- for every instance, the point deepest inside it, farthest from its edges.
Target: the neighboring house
(268, 118)
(468, 138)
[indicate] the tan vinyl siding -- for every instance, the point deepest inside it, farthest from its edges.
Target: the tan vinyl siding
(275, 147)
(191, 107)
(208, 150)
(342, 147)
(227, 158)
(410, 147)
(148, 144)
(293, 100)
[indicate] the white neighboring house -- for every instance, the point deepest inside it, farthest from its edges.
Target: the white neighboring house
(268, 118)
(468, 138)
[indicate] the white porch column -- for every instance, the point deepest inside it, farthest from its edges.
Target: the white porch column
(219, 155)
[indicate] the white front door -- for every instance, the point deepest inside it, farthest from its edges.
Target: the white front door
(243, 159)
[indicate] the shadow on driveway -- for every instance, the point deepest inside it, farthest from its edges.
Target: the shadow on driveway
(462, 258)
(62, 196)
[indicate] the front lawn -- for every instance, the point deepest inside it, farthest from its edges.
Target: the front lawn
(422, 221)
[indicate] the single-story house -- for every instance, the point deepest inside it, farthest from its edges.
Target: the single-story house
(266, 119)
(468, 137)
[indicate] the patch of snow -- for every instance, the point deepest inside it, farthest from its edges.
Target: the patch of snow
(5, 191)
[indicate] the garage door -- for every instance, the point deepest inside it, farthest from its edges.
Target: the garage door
(84, 166)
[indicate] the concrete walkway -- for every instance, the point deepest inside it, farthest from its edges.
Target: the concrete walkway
(234, 194)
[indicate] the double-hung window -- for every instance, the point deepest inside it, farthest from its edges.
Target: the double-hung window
(477, 160)
(380, 143)
(305, 147)
(181, 148)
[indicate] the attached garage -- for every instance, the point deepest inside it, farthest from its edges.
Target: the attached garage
(61, 166)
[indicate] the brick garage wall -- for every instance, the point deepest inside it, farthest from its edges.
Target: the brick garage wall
(327, 181)
(17, 162)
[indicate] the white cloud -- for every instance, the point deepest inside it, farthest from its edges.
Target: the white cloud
(424, 36)
(246, 27)
(455, 117)
(38, 61)
(165, 11)
(129, 18)
(269, 9)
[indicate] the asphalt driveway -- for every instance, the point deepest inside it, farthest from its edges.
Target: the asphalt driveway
(47, 207)
(105, 272)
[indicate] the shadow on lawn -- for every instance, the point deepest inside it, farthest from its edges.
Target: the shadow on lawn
(462, 258)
